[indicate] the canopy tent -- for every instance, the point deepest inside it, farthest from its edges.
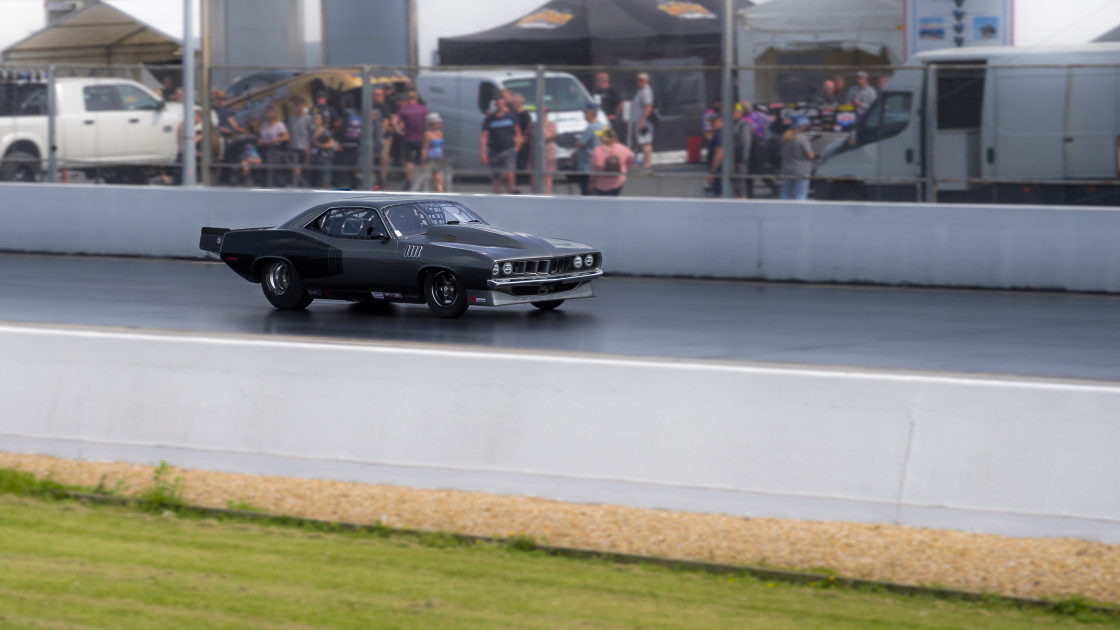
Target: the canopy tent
(1111, 36)
(601, 32)
(644, 34)
(109, 32)
(811, 32)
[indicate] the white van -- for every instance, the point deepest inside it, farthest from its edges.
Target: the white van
(1039, 116)
(462, 99)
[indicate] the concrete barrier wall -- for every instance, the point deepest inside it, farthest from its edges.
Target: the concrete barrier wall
(1009, 456)
(983, 246)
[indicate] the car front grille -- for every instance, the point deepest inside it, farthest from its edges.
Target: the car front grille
(547, 266)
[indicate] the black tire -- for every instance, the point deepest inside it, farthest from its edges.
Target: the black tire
(445, 294)
(19, 166)
(548, 305)
(283, 288)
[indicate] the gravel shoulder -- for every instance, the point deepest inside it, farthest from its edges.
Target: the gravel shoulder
(1024, 567)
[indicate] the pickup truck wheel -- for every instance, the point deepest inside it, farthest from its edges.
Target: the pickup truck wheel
(548, 305)
(444, 294)
(19, 166)
(282, 287)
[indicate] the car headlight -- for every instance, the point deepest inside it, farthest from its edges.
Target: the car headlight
(589, 261)
(577, 262)
(507, 268)
(496, 270)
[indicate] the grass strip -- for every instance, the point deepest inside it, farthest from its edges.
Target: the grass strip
(164, 497)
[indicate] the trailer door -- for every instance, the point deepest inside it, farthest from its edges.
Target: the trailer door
(1022, 137)
(1091, 124)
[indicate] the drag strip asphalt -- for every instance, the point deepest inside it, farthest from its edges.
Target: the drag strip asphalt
(1050, 335)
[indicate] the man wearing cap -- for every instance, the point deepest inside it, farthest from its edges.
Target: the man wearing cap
(797, 161)
(329, 113)
(862, 95)
(641, 107)
(585, 144)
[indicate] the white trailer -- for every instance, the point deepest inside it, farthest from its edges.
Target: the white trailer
(1003, 125)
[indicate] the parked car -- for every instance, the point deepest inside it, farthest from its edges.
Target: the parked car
(404, 249)
(115, 126)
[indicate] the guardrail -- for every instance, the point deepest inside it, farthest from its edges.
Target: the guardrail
(1008, 456)
(982, 246)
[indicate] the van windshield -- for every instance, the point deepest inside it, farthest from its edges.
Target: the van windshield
(561, 94)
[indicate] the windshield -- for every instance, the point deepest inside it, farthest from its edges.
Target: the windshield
(561, 94)
(415, 218)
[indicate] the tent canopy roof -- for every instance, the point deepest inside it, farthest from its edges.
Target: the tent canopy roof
(1111, 36)
(585, 24)
(873, 26)
(106, 30)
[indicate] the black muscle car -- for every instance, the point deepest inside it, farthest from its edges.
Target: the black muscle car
(404, 249)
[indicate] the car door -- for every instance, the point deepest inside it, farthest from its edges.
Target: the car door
(369, 253)
(148, 128)
(86, 142)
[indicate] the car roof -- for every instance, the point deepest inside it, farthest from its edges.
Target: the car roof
(382, 199)
(374, 200)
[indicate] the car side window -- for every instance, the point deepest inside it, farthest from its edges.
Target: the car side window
(359, 223)
(100, 98)
(408, 219)
(133, 98)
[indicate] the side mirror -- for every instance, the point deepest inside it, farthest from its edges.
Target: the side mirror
(161, 105)
(376, 233)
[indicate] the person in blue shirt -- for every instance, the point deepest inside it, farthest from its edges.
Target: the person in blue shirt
(432, 152)
(585, 144)
(501, 138)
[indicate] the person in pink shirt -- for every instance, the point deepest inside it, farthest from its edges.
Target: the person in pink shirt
(613, 159)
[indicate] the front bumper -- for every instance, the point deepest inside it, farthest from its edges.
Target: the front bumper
(504, 292)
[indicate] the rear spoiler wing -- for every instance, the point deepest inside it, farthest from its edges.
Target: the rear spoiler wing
(211, 239)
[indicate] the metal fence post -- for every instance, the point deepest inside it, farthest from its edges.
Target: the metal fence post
(204, 74)
(367, 129)
(188, 96)
(538, 150)
(728, 134)
(930, 161)
(52, 144)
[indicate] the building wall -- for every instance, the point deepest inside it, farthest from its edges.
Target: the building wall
(255, 33)
(363, 32)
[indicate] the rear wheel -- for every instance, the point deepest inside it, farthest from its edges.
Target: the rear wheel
(283, 288)
(548, 305)
(444, 294)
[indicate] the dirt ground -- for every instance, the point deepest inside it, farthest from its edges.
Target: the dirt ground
(1025, 567)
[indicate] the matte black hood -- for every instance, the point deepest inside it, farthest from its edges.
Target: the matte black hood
(516, 244)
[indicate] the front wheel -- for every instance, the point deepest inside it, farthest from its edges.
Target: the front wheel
(444, 294)
(548, 305)
(283, 288)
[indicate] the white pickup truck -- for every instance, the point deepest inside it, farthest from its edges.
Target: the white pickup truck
(115, 127)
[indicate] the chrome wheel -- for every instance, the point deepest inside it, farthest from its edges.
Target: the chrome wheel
(278, 278)
(283, 288)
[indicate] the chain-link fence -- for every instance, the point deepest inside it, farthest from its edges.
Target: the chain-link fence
(937, 132)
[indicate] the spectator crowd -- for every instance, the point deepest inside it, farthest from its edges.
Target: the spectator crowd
(318, 145)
